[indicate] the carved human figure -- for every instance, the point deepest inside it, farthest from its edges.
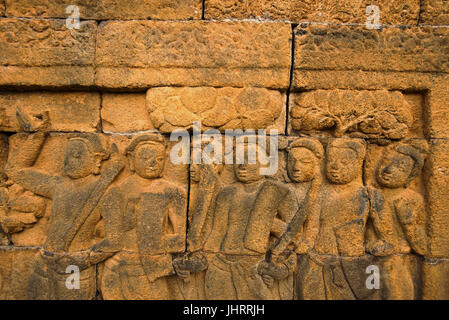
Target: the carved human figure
(76, 211)
(304, 170)
(150, 227)
(19, 208)
(205, 186)
(397, 215)
(323, 273)
(248, 217)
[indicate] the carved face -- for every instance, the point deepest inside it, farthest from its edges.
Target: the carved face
(247, 173)
(394, 169)
(79, 161)
(342, 165)
(149, 160)
(301, 165)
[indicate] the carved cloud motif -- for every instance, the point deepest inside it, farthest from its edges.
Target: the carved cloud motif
(221, 108)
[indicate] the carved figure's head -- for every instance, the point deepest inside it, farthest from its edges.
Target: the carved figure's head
(400, 164)
(83, 155)
(247, 172)
(344, 159)
(207, 163)
(303, 161)
(146, 155)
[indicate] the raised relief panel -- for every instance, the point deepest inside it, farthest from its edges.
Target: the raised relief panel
(372, 209)
(45, 53)
(220, 108)
(347, 198)
(347, 194)
(403, 12)
(343, 48)
(168, 109)
(68, 111)
(398, 216)
(20, 210)
(108, 9)
(99, 189)
(141, 54)
(152, 203)
(334, 267)
(236, 214)
(379, 115)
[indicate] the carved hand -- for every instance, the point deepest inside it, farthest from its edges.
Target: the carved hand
(193, 264)
(276, 271)
(179, 265)
(116, 157)
(40, 122)
(268, 280)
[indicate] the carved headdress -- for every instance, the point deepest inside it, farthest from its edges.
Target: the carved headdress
(312, 144)
(148, 138)
(93, 143)
(357, 145)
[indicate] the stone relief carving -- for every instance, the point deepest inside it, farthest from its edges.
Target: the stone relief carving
(75, 196)
(380, 115)
(19, 208)
(122, 213)
(222, 108)
(398, 216)
(148, 216)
